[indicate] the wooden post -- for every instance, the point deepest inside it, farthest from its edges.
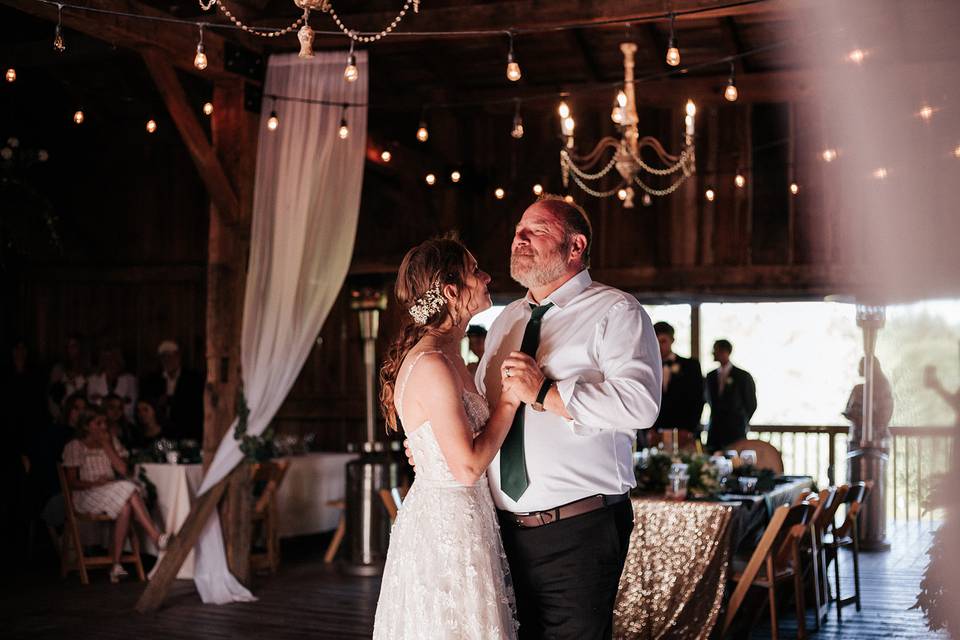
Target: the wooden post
(236, 512)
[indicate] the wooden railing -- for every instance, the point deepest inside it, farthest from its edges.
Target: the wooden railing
(917, 456)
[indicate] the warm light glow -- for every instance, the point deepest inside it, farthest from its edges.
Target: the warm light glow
(207, 108)
(622, 194)
(568, 198)
(563, 109)
(78, 116)
(568, 126)
(926, 112)
(151, 126)
(794, 188)
(11, 74)
(740, 181)
(710, 195)
(517, 131)
(673, 56)
(431, 179)
(513, 71)
(200, 60)
(956, 151)
(350, 72)
(621, 99)
(422, 133)
(731, 93)
(880, 173)
(455, 176)
(537, 189)
(829, 155)
(856, 56)
(646, 200)
(691, 108)
(273, 121)
(386, 156)
(499, 193)
(344, 130)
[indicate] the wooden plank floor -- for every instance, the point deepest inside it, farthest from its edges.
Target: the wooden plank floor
(309, 600)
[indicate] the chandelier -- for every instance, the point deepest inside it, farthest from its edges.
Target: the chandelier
(626, 159)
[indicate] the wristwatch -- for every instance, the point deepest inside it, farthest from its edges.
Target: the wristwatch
(542, 395)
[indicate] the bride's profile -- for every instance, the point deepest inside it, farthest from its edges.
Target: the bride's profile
(446, 574)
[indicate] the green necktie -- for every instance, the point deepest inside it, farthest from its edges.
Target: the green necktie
(513, 466)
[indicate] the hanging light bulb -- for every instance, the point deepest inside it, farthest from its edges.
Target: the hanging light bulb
(563, 110)
(200, 60)
(794, 188)
(829, 155)
(731, 93)
(455, 176)
(517, 131)
(710, 194)
(343, 131)
(58, 44)
(431, 179)
(207, 108)
(386, 156)
(151, 125)
(646, 200)
(673, 52)
(273, 121)
(78, 116)
(513, 69)
(739, 180)
(11, 75)
(350, 72)
(422, 133)
(537, 189)
(499, 193)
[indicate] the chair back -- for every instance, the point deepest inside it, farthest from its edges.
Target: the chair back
(271, 474)
(65, 490)
(791, 531)
(768, 457)
(854, 499)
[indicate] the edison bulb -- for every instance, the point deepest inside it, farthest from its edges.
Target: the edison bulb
(673, 56)
(710, 195)
(537, 189)
(350, 72)
(343, 131)
(431, 179)
(273, 121)
(731, 93)
(517, 131)
(499, 193)
(11, 74)
(829, 155)
(740, 181)
(513, 71)
(151, 125)
(78, 116)
(207, 108)
(422, 133)
(386, 156)
(794, 188)
(200, 60)
(455, 176)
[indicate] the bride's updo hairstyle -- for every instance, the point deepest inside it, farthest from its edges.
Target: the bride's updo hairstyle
(425, 270)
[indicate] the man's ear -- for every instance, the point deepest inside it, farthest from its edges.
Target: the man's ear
(578, 245)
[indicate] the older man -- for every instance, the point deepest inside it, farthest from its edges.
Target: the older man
(584, 359)
(177, 393)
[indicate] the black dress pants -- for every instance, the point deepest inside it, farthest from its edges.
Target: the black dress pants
(566, 574)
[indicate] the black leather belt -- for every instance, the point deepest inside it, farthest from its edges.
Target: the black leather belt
(570, 510)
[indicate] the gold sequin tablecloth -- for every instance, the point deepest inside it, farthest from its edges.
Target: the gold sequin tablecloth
(672, 583)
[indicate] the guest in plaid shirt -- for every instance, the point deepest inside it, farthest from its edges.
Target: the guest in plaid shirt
(96, 469)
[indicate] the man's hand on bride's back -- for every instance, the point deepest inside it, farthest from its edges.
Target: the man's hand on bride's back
(406, 450)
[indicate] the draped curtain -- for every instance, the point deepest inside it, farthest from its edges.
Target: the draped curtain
(306, 204)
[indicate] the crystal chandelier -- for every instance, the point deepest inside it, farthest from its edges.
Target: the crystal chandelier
(626, 150)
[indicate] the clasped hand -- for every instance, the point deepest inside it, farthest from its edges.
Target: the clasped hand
(521, 376)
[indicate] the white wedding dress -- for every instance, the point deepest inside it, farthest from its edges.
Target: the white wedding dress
(446, 575)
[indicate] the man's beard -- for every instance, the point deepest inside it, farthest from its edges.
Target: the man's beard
(532, 272)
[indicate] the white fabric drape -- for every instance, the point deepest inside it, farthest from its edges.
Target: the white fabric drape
(306, 204)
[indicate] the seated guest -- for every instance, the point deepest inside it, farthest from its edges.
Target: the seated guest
(682, 402)
(732, 395)
(112, 379)
(177, 394)
(121, 428)
(148, 428)
(96, 469)
(67, 377)
(476, 337)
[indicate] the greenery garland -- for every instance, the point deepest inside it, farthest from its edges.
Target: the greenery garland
(254, 448)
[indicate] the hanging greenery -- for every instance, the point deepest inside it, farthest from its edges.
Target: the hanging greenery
(937, 597)
(254, 448)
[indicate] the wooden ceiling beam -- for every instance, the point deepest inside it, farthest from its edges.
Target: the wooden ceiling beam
(178, 41)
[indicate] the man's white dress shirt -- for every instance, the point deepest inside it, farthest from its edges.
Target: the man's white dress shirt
(598, 344)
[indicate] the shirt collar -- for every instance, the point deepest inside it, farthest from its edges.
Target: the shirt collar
(726, 368)
(565, 293)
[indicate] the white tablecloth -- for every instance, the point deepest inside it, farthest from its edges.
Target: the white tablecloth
(312, 480)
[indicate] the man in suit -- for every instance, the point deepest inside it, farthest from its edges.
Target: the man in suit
(683, 397)
(177, 394)
(732, 395)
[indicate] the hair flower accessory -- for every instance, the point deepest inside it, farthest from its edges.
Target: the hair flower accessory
(427, 305)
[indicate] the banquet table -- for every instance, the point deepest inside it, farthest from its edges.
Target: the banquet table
(312, 481)
(676, 570)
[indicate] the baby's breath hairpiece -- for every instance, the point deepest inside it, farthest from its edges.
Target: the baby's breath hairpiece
(427, 305)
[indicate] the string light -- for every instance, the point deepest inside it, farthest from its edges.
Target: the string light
(517, 131)
(386, 156)
(513, 68)
(455, 176)
(880, 173)
(207, 108)
(673, 52)
(926, 112)
(273, 121)
(151, 126)
(344, 130)
(710, 195)
(422, 133)
(794, 188)
(739, 181)
(829, 155)
(499, 193)
(350, 72)
(431, 179)
(856, 56)
(538, 189)
(731, 93)
(78, 116)
(11, 75)
(58, 44)
(200, 60)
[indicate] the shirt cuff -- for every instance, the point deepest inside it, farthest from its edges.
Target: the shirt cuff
(565, 388)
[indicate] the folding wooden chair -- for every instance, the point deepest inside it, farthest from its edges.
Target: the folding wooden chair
(846, 535)
(778, 554)
(270, 475)
(70, 541)
(768, 457)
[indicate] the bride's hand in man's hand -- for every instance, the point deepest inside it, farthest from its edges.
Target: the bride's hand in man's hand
(524, 376)
(508, 393)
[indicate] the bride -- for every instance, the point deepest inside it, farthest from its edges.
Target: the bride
(446, 573)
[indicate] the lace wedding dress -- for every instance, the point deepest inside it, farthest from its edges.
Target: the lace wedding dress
(446, 574)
